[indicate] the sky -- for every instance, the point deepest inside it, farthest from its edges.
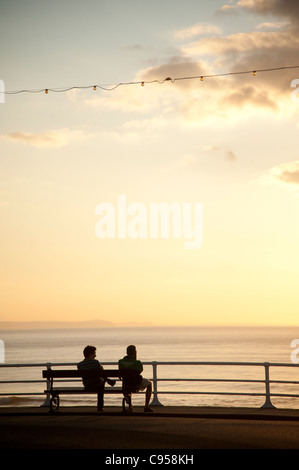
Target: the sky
(225, 144)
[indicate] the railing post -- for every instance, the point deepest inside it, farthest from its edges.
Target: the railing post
(155, 401)
(47, 400)
(268, 403)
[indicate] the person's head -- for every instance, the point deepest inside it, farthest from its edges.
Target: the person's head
(131, 351)
(89, 351)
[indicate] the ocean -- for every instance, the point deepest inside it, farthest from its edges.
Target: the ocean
(184, 344)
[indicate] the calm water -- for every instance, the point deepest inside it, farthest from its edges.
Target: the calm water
(159, 344)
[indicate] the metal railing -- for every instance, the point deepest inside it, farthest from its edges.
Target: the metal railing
(266, 381)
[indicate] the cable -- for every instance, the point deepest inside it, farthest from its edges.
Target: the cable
(112, 87)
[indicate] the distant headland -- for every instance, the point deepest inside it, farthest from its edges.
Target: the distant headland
(49, 324)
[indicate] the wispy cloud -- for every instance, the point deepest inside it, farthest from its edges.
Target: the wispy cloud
(228, 8)
(286, 174)
(54, 138)
(228, 153)
(273, 25)
(199, 29)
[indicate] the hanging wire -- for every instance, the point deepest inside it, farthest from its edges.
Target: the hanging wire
(113, 87)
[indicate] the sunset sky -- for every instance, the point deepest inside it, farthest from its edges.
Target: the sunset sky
(229, 143)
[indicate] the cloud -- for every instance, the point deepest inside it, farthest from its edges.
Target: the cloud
(193, 161)
(284, 8)
(273, 25)
(55, 138)
(199, 29)
(227, 9)
(244, 43)
(269, 45)
(230, 155)
(286, 174)
(134, 47)
(227, 152)
(165, 97)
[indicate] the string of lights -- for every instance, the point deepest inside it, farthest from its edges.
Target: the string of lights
(113, 87)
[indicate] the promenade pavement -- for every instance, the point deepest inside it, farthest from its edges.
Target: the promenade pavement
(167, 428)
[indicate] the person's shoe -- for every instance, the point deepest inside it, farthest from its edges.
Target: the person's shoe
(148, 409)
(111, 382)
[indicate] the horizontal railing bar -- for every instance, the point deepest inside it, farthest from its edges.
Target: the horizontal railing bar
(230, 380)
(284, 382)
(162, 363)
(163, 392)
(217, 363)
(165, 380)
(284, 395)
(178, 393)
(228, 393)
(21, 394)
(211, 380)
(21, 381)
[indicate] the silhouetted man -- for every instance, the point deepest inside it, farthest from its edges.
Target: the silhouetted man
(91, 377)
(139, 383)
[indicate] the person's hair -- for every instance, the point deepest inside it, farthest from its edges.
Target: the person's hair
(88, 350)
(131, 350)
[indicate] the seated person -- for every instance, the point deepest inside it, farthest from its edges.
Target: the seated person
(92, 380)
(137, 383)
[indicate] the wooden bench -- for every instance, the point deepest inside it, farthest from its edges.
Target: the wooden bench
(124, 375)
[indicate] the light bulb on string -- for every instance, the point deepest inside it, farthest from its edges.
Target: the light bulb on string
(170, 79)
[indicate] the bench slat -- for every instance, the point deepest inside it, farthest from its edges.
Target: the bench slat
(79, 391)
(49, 374)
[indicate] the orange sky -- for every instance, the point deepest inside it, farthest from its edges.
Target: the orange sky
(229, 143)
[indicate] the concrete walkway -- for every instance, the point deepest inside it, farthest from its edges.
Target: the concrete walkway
(167, 428)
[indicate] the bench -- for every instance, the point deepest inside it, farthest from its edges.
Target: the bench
(125, 375)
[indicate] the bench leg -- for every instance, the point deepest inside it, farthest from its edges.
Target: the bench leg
(54, 403)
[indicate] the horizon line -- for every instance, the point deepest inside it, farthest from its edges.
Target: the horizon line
(56, 324)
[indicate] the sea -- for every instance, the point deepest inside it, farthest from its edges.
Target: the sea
(26, 353)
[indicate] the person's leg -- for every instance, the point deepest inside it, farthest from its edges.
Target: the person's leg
(100, 390)
(100, 401)
(148, 395)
